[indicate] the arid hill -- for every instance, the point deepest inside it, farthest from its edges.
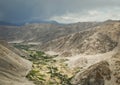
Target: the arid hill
(13, 68)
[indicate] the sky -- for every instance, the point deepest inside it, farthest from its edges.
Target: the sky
(62, 11)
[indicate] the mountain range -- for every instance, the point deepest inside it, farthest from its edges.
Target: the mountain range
(100, 39)
(5, 23)
(42, 32)
(91, 47)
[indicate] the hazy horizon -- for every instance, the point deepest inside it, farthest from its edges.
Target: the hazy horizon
(62, 11)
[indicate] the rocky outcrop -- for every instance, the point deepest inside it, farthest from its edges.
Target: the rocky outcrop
(94, 75)
(13, 68)
(102, 73)
(115, 67)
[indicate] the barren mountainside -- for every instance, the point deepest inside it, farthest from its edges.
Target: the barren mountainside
(13, 68)
(42, 32)
(100, 39)
(105, 72)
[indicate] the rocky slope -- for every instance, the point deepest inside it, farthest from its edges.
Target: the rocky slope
(94, 75)
(43, 32)
(105, 72)
(100, 39)
(13, 68)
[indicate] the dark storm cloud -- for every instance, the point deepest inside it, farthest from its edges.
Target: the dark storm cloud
(21, 10)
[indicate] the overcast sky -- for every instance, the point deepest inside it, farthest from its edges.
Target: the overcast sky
(64, 11)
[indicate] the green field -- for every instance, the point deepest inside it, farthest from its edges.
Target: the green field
(47, 70)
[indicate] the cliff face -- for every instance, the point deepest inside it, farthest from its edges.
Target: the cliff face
(13, 68)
